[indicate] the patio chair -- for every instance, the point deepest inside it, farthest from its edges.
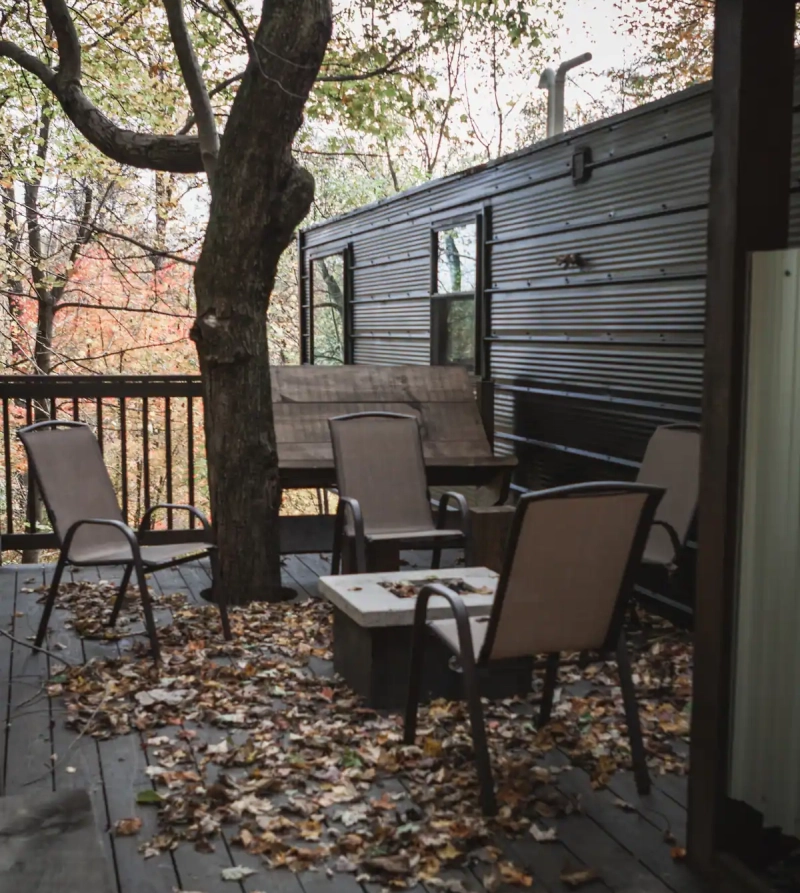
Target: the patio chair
(383, 490)
(572, 555)
(671, 461)
(77, 492)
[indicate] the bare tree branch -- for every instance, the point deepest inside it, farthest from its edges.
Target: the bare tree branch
(179, 153)
(116, 308)
(196, 87)
(30, 63)
(148, 248)
(388, 68)
(223, 85)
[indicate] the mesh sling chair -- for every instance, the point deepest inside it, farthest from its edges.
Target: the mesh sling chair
(383, 489)
(568, 573)
(77, 492)
(671, 461)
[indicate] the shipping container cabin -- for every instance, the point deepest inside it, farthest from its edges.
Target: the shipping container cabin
(569, 277)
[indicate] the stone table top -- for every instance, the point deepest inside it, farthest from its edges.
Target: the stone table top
(365, 601)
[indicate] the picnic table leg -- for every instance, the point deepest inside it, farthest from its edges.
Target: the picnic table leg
(380, 557)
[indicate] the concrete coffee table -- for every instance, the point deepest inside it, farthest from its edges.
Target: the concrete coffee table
(372, 635)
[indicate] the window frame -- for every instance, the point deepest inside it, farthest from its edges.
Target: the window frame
(307, 307)
(441, 301)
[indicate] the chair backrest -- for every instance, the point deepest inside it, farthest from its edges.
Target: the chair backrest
(569, 568)
(379, 462)
(73, 480)
(672, 461)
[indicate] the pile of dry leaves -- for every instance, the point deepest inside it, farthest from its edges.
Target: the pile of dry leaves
(247, 735)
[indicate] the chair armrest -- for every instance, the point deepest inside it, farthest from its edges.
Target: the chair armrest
(463, 510)
(457, 606)
(345, 503)
(127, 532)
(144, 524)
(677, 545)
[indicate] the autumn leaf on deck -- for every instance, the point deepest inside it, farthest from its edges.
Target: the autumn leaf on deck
(237, 873)
(577, 877)
(149, 797)
(389, 864)
(624, 805)
(542, 835)
(510, 874)
(678, 853)
(127, 827)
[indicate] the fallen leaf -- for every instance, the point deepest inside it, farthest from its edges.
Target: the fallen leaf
(237, 873)
(678, 853)
(127, 827)
(451, 885)
(345, 865)
(624, 805)
(542, 835)
(513, 875)
(173, 697)
(577, 877)
(149, 797)
(432, 747)
(389, 864)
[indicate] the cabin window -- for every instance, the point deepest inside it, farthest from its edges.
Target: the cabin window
(328, 317)
(454, 274)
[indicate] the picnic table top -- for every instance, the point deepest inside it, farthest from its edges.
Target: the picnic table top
(369, 604)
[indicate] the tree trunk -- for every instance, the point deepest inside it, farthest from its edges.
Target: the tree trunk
(260, 195)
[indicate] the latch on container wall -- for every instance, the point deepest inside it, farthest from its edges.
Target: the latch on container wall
(582, 164)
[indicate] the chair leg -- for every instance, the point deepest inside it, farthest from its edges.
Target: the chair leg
(51, 599)
(126, 577)
(336, 551)
(213, 558)
(640, 772)
(478, 729)
(418, 642)
(549, 690)
(147, 607)
(436, 558)
(361, 551)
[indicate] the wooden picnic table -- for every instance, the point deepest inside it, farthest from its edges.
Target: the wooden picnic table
(456, 448)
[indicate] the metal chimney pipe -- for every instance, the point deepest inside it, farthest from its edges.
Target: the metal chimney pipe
(560, 82)
(547, 81)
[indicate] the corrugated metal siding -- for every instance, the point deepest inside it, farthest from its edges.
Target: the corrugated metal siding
(765, 759)
(587, 362)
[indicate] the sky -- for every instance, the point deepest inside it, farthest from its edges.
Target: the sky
(592, 26)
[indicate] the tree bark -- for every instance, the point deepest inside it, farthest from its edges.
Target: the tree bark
(260, 196)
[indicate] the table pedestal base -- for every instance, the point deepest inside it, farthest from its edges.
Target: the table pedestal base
(374, 661)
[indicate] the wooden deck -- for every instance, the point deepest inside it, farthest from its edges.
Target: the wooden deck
(630, 849)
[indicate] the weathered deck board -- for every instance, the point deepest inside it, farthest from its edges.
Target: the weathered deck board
(29, 747)
(627, 848)
(33, 857)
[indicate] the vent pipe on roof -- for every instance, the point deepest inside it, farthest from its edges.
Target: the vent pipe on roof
(554, 82)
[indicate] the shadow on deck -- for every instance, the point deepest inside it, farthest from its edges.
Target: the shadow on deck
(627, 841)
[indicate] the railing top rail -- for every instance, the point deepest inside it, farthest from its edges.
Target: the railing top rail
(55, 386)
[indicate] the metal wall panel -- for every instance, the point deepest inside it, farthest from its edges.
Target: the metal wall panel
(588, 360)
(765, 757)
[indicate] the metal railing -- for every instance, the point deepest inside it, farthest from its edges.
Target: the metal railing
(150, 430)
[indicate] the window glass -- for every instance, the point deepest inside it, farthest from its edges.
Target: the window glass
(327, 279)
(456, 257)
(460, 333)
